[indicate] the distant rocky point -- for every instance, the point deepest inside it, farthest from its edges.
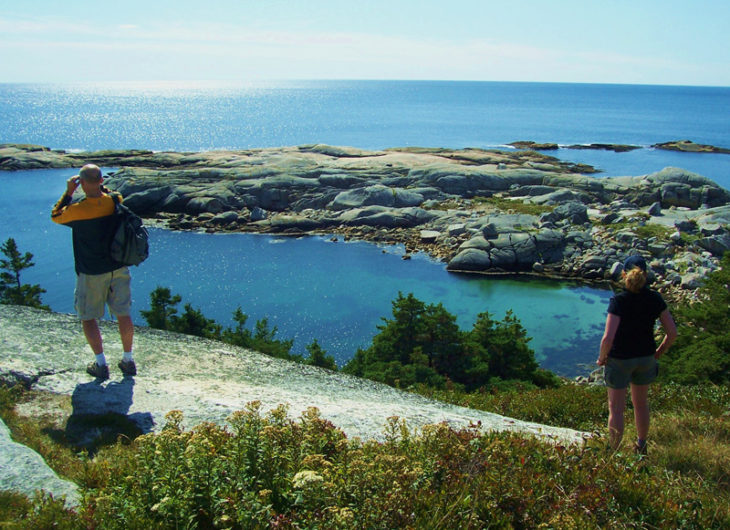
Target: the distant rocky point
(686, 146)
(617, 148)
(689, 146)
(480, 211)
(527, 144)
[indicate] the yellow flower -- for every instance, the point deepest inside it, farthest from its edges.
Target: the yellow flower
(307, 478)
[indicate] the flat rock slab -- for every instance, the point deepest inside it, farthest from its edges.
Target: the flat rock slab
(209, 380)
(23, 470)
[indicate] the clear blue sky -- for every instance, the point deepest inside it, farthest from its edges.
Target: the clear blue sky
(615, 41)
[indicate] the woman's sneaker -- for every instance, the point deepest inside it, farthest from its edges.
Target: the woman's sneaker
(640, 449)
(100, 371)
(127, 367)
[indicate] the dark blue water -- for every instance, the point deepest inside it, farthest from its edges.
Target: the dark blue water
(308, 287)
(375, 115)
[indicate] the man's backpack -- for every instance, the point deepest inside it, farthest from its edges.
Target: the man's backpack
(130, 244)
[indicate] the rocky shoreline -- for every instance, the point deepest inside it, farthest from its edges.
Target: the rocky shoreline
(480, 211)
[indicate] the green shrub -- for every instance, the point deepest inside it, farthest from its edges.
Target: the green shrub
(12, 290)
(514, 205)
(422, 344)
(702, 350)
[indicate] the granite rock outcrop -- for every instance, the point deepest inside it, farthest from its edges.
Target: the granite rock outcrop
(47, 353)
(516, 211)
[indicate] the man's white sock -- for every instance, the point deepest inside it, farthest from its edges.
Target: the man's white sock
(100, 359)
(127, 356)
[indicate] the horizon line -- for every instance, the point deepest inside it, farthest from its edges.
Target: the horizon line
(336, 80)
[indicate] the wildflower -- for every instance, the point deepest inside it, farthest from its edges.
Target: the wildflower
(345, 516)
(224, 520)
(161, 504)
(307, 478)
(265, 494)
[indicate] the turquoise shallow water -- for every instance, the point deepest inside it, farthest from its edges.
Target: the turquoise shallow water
(308, 287)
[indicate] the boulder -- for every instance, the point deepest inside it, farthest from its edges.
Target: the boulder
(561, 196)
(711, 229)
(691, 280)
(258, 214)
(525, 251)
(456, 229)
(685, 225)
(429, 236)
(626, 237)
(503, 258)
(717, 245)
(610, 218)
(376, 195)
(384, 217)
(575, 212)
(25, 471)
(148, 200)
(470, 259)
(550, 245)
(616, 270)
(174, 203)
(679, 187)
(479, 242)
(470, 181)
(490, 231)
(293, 222)
(660, 250)
(593, 262)
(204, 205)
(225, 218)
(531, 191)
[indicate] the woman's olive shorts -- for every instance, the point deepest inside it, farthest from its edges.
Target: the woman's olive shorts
(618, 373)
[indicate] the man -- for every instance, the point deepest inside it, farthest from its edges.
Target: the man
(100, 280)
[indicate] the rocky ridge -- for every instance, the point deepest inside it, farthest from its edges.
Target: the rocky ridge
(204, 379)
(481, 211)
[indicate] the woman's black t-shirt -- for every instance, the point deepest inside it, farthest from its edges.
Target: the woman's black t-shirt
(635, 333)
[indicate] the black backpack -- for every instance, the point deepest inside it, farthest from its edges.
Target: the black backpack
(130, 244)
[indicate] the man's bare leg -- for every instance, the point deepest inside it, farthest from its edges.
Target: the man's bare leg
(126, 331)
(93, 335)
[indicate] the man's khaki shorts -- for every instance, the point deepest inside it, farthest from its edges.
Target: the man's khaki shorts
(94, 291)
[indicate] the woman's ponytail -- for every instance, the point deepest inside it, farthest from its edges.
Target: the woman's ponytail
(635, 279)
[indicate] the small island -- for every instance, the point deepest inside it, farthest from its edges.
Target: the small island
(688, 146)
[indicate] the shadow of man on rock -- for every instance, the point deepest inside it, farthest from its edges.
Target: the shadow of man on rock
(100, 415)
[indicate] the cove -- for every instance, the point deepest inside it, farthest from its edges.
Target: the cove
(309, 287)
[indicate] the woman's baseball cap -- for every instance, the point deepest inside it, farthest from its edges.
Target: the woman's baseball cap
(634, 262)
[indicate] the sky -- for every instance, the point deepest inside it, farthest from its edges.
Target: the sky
(635, 41)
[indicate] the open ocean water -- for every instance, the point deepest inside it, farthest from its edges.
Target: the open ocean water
(335, 292)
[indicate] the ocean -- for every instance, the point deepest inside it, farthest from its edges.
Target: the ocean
(335, 292)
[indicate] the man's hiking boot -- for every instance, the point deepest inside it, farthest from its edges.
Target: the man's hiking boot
(97, 370)
(640, 449)
(127, 367)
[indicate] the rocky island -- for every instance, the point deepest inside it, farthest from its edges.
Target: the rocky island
(481, 211)
(689, 146)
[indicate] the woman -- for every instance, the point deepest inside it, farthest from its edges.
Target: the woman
(628, 350)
